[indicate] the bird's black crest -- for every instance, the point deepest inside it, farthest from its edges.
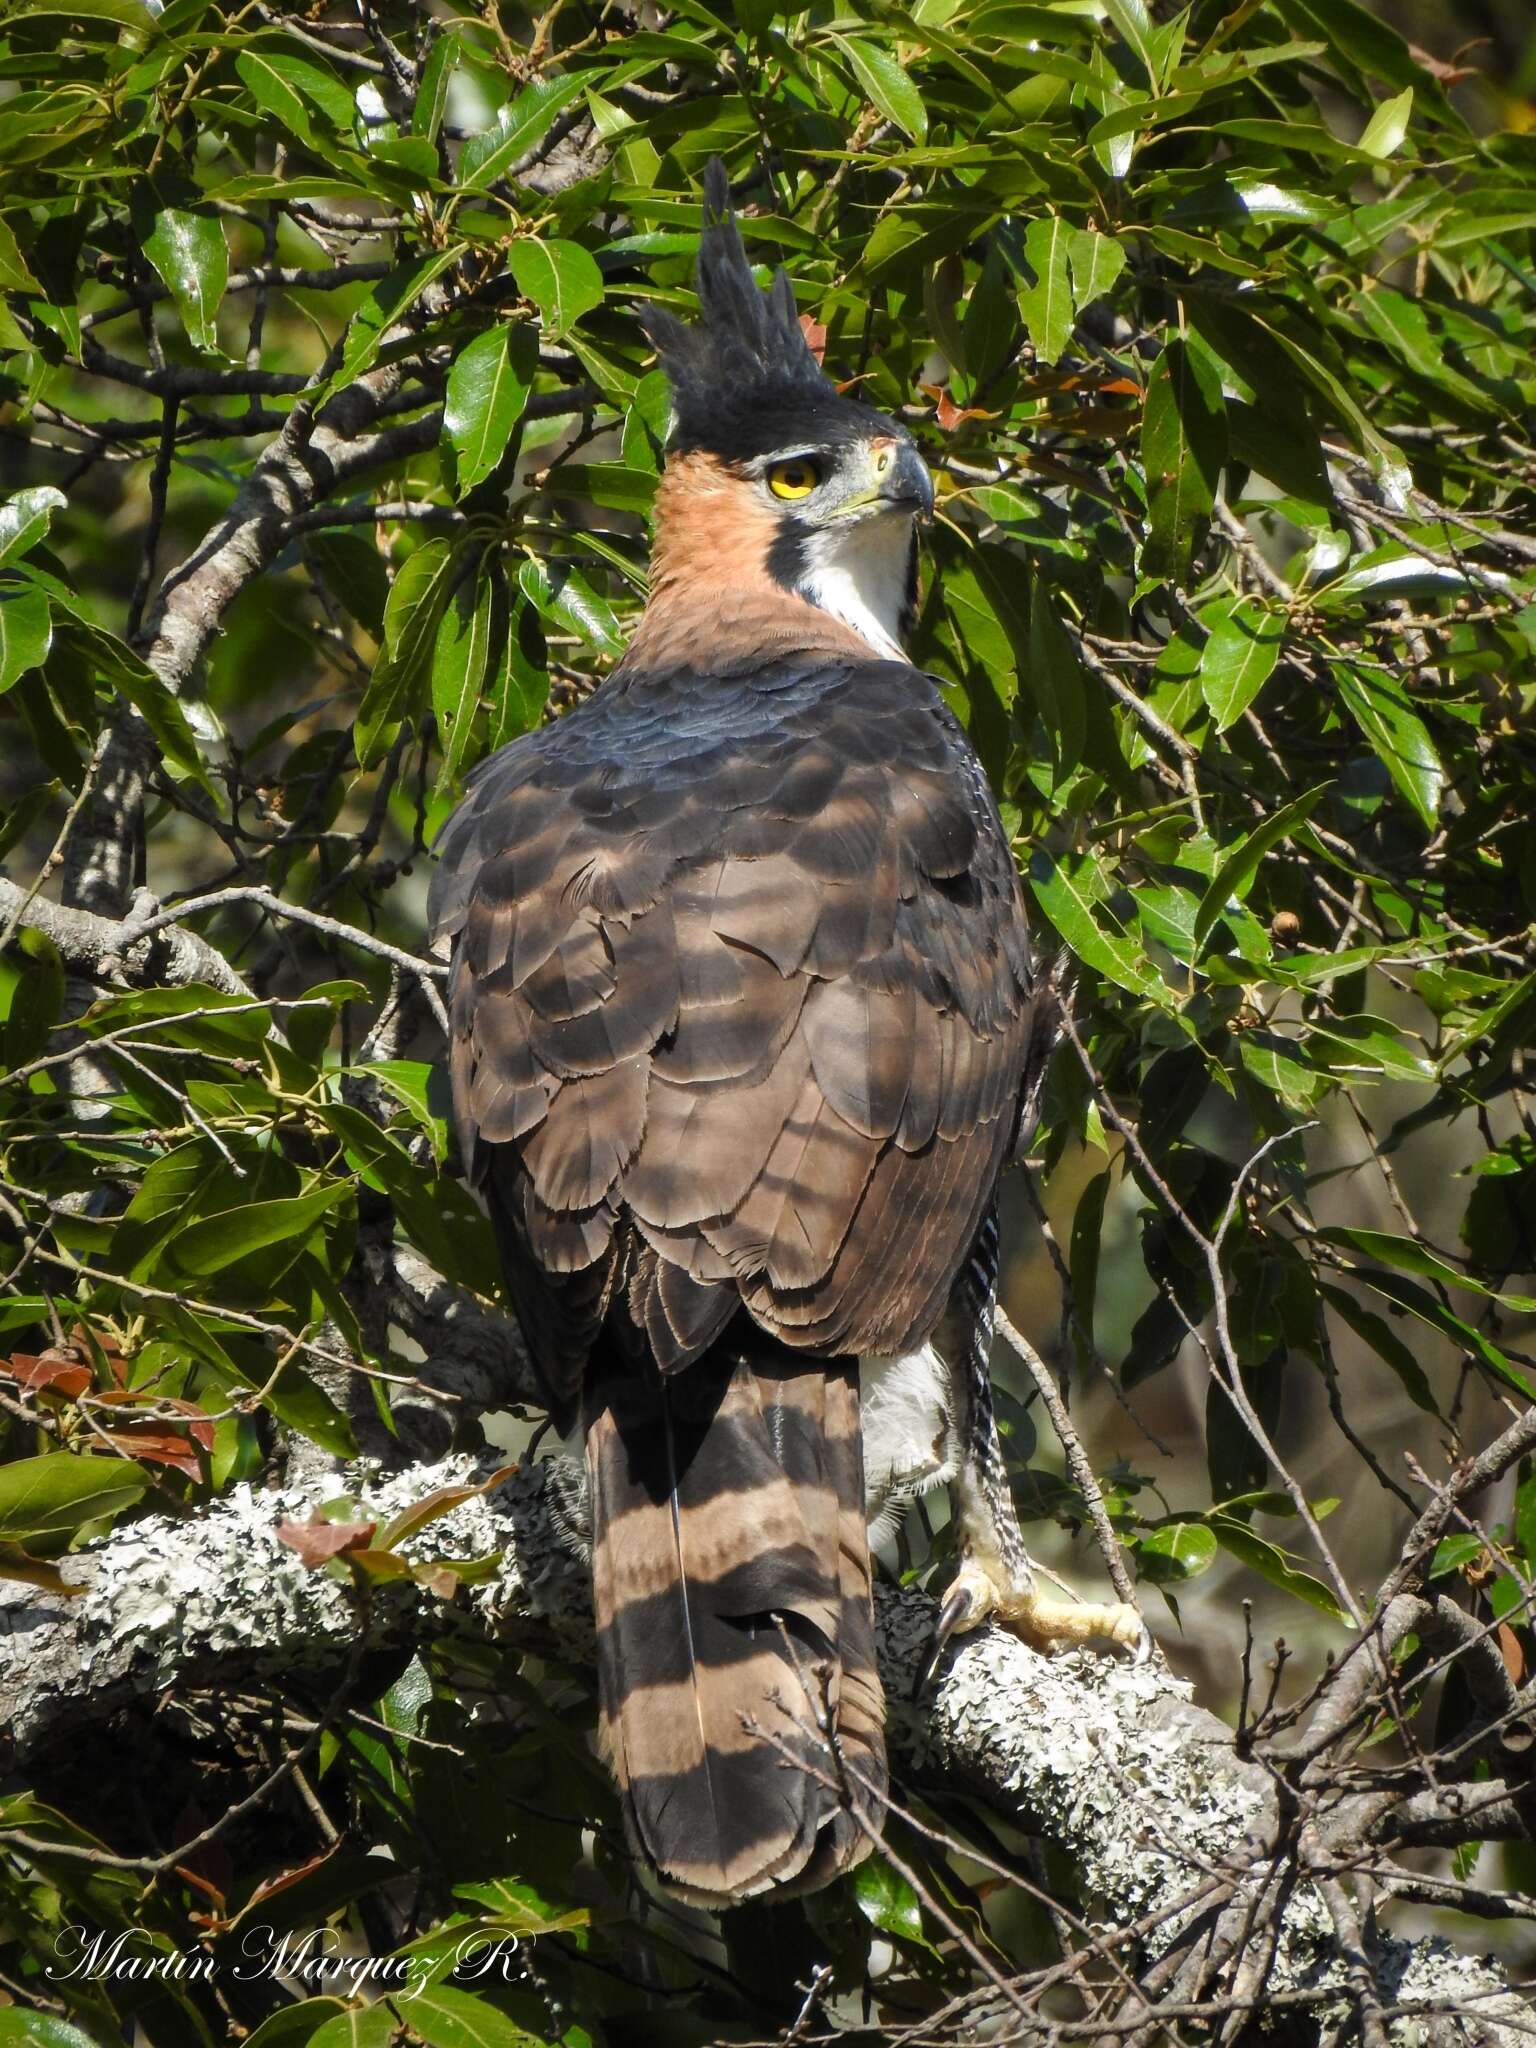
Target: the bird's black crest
(743, 378)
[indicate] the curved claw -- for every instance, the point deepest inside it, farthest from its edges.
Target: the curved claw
(951, 1618)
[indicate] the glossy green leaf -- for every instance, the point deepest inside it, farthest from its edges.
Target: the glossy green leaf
(1397, 736)
(460, 657)
(446, 2018)
(887, 86)
(560, 278)
(1176, 1552)
(416, 600)
(1239, 867)
(15, 273)
(191, 255)
(1384, 132)
(360, 2026)
(25, 517)
(1070, 890)
(1047, 303)
(1096, 261)
(488, 387)
(1240, 655)
(519, 128)
(45, 1498)
(221, 1240)
(26, 632)
(1274, 1564)
(887, 1900)
(1183, 447)
(385, 306)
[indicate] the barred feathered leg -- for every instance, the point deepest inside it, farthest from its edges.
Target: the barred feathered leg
(997, 1580)
(741, 1711)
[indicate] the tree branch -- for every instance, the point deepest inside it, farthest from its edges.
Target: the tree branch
(1108, 1761)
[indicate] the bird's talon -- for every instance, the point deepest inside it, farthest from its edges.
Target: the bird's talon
(1039, 1619)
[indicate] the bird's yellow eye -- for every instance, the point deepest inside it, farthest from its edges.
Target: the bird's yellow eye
(796, 478)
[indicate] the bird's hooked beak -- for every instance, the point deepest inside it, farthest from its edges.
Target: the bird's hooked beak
(898, 482)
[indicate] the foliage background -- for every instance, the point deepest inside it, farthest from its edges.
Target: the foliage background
(329, 435)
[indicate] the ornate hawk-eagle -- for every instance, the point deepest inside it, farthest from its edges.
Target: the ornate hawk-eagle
(744, 1030)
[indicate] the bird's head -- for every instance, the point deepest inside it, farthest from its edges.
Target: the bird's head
(772, 472)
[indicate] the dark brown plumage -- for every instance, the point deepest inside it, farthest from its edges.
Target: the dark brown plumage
(741, 1007)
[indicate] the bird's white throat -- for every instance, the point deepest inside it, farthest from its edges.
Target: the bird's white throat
(860, 572)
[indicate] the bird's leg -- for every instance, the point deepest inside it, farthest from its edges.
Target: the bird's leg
(996, 1580)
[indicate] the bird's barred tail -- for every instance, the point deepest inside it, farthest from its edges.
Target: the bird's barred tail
(731, 1576)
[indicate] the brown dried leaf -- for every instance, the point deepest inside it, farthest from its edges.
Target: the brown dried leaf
(317, 1541)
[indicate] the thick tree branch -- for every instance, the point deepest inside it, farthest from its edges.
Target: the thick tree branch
(1108, 1761)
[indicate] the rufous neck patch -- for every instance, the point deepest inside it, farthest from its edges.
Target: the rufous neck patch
(713, 597)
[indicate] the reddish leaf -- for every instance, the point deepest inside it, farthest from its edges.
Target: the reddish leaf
(154, 1437)
(61, 1372)
(1513, 1655)
(951, 415)
(198, 1423)
(1452, 73)
(317, 1541)
(815, 335)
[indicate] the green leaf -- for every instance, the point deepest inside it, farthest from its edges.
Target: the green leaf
(416, 600)
(1134, 22)
(1056, 679)
(26, 632)
(1272, 1563)
(52, 1496)
(1096, 262)
(25, 518)
(116, 664)
(445, 2018)
(1418, 1301)
(1397, 735)
(1384, 132)
(887, 1900)
(1240, 655)
(15, 276)
(560, 278)
(989, 332)
(1068, 889)
(488, 387)
(360, 2026)
(1183, 446)
(563, 593)
(887, 86)
(384, 307)
(267, 78)
(292, 2026)
(518, 128)
(1047, 303)
(1175, 1552)
(1240, 866)
(517, 688)
(460, 654)
(519, 1906)
(352, 570)
(1410, 1256)
(191, 255)
(432, 87)
(216, 1242)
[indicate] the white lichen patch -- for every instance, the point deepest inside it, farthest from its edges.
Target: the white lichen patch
(1107, 1756)
(165, 1597)
(1144, 1792)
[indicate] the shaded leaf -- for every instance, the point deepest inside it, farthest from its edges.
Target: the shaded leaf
(191, 255)
(488, 387)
